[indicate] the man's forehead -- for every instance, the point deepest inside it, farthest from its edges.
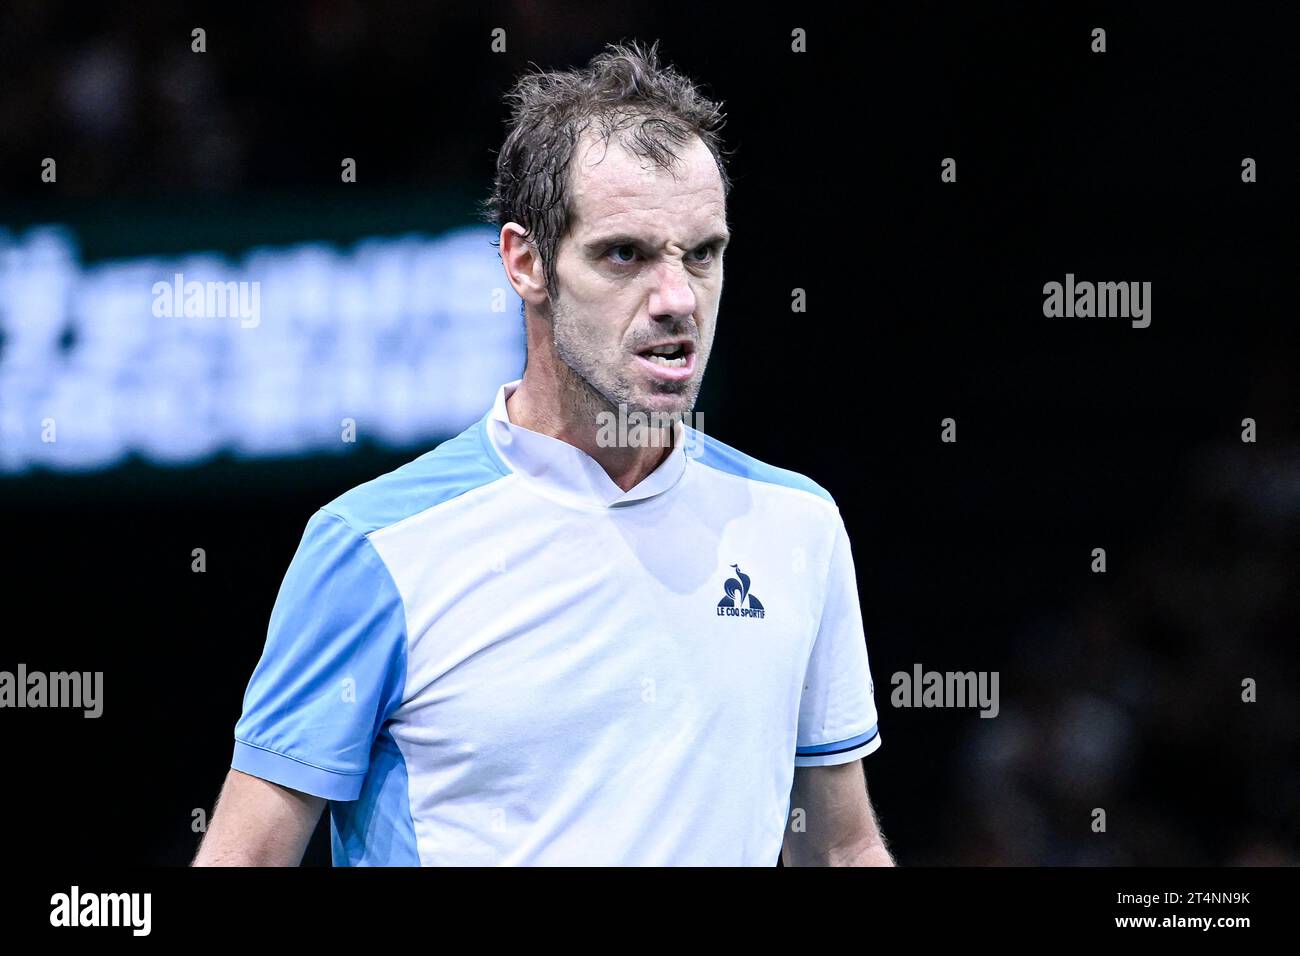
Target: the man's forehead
(612, 184)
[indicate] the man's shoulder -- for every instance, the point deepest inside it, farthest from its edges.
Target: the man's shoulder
(723, 458)
(455, 467)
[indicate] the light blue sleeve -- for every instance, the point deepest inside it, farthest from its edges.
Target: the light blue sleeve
(837, 708)
(333, 668)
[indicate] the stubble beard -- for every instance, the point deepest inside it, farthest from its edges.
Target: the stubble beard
(591, 388)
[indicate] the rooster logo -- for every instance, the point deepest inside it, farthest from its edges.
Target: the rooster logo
(737, 592)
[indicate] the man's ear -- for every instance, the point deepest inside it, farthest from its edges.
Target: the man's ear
(523, 265)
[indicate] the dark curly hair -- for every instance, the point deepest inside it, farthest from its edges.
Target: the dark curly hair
(622, 91)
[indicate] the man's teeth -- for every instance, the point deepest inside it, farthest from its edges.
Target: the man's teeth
(667, 362)
(669, 356)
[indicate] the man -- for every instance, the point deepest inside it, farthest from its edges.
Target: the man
(553, 640)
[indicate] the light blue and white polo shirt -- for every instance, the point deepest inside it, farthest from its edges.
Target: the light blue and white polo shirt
(494, 655)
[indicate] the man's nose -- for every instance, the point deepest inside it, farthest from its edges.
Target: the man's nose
(672, 297)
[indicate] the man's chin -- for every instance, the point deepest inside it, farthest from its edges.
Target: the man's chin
(670, 406)
(674, 400)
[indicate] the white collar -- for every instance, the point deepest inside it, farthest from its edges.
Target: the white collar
(564, 471)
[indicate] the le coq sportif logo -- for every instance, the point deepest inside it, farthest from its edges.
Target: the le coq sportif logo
(736, 600)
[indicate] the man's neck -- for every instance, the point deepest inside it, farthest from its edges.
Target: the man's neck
(570, 414)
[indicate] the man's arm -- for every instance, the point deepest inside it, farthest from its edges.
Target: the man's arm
(258, 823)
(839, 824)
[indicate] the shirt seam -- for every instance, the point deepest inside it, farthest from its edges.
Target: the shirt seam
(369, 547)
(299, 760)
(875, 726)
(828, 503)
(499, 464)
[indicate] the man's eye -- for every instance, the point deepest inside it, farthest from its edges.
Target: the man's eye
(628, 253)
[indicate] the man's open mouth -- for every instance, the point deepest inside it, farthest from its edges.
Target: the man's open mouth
(672, 361)
(673, 355)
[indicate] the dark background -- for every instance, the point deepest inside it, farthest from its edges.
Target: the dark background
(1119, 690)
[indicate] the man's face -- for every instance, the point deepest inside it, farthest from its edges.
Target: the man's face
(640, 273)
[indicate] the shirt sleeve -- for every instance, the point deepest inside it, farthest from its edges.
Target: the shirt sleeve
(837, 708)
(333, 668)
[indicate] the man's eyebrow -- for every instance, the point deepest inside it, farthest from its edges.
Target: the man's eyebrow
(602, 243)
